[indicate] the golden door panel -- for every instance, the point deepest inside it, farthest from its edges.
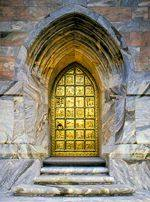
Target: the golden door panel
(74, 114)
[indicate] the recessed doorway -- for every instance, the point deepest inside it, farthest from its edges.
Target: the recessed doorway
(74, 113)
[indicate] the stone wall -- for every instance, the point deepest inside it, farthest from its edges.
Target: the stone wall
(133, 173)
(18, 171)
(18, 112)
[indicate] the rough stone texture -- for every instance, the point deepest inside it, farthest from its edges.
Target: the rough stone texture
(13, 172)
(138, 84)
(131, 152)
(6, 120)
(74, 170)
(142, 117)
(90, 190)
(74, 179)
(22, 151)
(139, 197)
(80, 2)
(135, 173)
(128, 133)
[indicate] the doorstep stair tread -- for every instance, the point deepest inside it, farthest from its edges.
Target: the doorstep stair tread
(73, 170)
(72, 190)
(83, 161)
(74, 179)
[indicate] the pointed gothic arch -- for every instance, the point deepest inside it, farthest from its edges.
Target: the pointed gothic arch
(73, 34)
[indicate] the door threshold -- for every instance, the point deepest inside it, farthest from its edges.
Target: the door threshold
(74, 161)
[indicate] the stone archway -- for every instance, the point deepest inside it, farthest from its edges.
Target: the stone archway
(72, 34)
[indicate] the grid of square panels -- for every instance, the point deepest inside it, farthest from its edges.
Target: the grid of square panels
(75, 113)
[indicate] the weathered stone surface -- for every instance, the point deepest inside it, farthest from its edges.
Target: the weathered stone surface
(138, 196)
(79, 2)
(74, 179)
(114, 14)
(139, 83)
(142, 61)
(135, 173)
(115, 3)
(5, 86)
(8, 150)
(142, 118)
(25, 13)
(7, 67)
(9, 51)
(6, 121)
(119, 113)
(138, 39)
(130, 104)
(30, 173)
(74, 170)
(15, 38)
(22, 151)
(20, 26)
(58, 190)
(140, 12)
(19, 135)
(92, 3)
(31, 3)
(15, 89)
(131, 152)
(36, 125)
(134, 25)
(128, 133)
(12, 172)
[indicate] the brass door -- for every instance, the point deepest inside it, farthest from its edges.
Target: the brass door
(74, 113)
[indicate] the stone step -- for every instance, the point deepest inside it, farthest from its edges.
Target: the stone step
(74, 161)
(73, 179)
(74, 170)
(72, 190)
